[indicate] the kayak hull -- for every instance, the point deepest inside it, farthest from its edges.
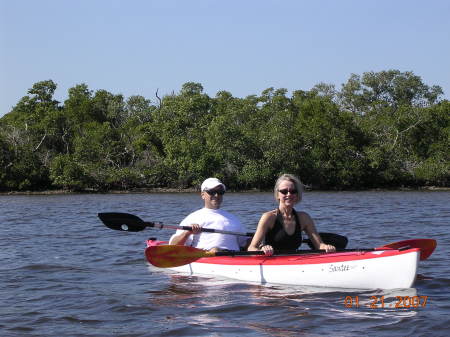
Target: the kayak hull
(380, 269)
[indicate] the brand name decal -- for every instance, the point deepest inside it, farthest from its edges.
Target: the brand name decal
(341, 267)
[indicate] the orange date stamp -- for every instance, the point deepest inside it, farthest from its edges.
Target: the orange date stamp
(378, 302)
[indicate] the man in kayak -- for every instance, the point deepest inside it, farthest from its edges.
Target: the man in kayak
(281, 229)
(211, 216)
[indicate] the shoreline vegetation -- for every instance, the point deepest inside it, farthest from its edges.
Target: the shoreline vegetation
(193, 190)
(379, 130)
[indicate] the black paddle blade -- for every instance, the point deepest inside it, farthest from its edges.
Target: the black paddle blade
(122, 221)
(339, 241)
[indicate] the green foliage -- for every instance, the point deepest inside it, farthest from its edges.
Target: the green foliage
(68, 174)
(180, 126)
(431, 144)
(383, 129)
(386, 91)
(330, 145)
(21, 171)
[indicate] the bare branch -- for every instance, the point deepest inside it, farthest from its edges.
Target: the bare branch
(40, 143)
(159, 99)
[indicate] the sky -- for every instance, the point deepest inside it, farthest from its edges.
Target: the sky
(136, 47)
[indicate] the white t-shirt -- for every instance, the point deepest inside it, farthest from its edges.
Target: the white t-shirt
(216, 219)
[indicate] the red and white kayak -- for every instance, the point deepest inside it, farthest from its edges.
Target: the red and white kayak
(376, 269)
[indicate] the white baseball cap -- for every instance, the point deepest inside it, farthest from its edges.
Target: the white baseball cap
(210, 183)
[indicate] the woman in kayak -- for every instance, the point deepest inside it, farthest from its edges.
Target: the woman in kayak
(281, 228)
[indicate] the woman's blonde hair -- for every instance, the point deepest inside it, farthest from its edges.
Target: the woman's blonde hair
(293, 179)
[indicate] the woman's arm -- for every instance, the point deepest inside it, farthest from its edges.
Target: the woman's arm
(310, 229)
(265, 223)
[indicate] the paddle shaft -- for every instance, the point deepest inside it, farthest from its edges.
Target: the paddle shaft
(188, 228)
(341, 239)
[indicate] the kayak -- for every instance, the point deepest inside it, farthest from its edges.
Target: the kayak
(374, 269)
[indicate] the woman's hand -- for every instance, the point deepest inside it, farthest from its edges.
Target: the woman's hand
(214, 250)
(327, 248)
(267, 249)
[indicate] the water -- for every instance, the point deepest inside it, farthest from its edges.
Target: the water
(63, 273)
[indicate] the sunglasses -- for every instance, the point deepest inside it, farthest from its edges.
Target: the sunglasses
(286, 191)
(214, 192)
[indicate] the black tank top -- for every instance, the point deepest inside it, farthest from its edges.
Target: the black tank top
(279, 239)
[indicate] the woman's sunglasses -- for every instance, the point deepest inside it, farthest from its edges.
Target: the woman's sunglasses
(286, 191)
(214, 192)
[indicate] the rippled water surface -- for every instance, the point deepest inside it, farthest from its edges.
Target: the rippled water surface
(63, 273)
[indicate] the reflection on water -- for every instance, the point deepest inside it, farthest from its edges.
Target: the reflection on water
(274, 310)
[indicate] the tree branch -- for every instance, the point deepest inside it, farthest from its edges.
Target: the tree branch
(40, 143)
(159, 99)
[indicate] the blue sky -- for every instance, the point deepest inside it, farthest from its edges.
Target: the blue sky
(134, 47)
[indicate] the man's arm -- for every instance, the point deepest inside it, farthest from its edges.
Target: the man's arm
(181, 237)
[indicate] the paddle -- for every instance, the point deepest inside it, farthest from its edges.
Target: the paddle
(168, 256)
(132, 223)
(427, 246)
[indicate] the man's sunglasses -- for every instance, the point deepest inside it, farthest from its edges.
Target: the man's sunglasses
(214, 192)
(286, 191)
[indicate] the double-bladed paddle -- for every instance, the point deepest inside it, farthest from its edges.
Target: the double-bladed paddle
(169, 256)
(132, 223)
